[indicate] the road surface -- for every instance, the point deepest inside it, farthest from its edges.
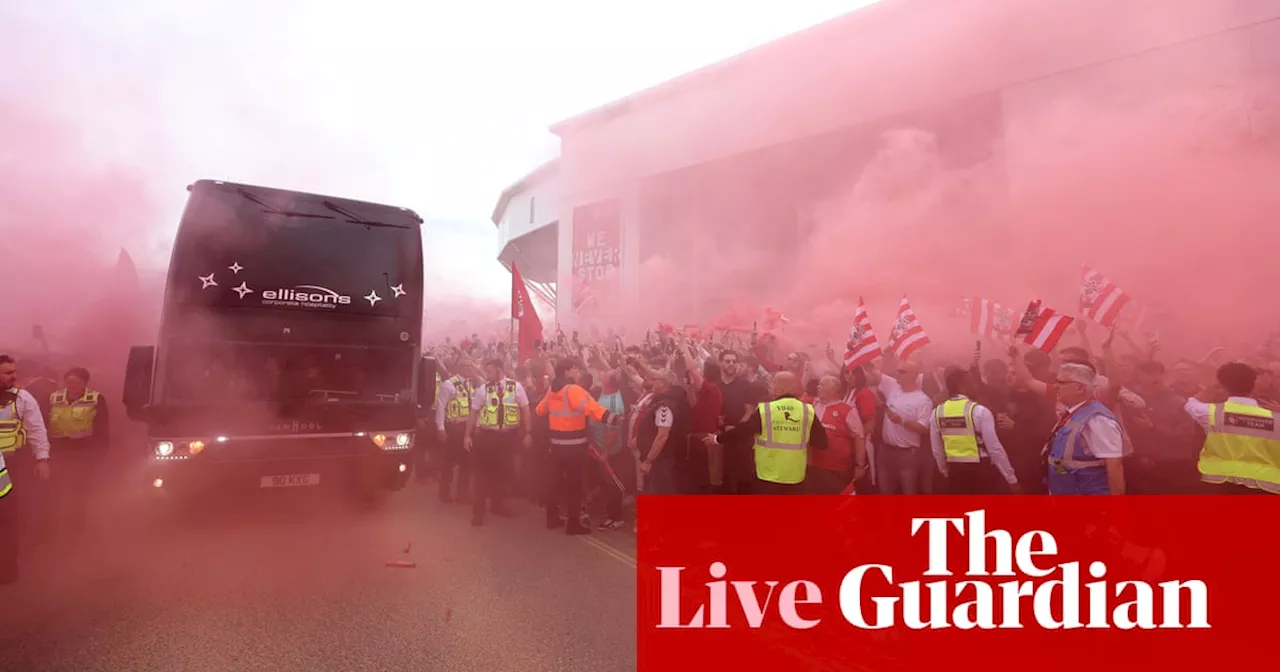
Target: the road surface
(294, 580)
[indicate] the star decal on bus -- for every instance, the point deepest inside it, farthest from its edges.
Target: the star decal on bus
(235, 268)
(242, 289)
(207, 281)
(372, 298)
(398, 291)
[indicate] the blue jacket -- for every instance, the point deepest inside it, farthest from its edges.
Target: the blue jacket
(1073, 468)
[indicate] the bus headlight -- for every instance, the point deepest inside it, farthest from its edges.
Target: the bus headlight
(195, 447)
(392, 440)
(164, 448)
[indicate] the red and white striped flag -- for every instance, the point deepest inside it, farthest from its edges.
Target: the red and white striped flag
(989, 319)
(1100, 299)
(863, 346)
(1048, 328)
(907, 335)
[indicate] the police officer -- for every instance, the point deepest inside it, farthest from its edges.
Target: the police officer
(80, 429)
(784, 430)
(965, 445)
(21, 425)
(453, 407)
(1087, 447)
(1241, 452)
(499, 414)
(569, 406)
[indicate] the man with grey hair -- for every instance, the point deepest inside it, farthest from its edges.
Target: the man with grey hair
(1087, 446)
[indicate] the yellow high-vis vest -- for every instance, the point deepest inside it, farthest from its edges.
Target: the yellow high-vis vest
(459, 407)
(500, 397)
(1241, 447)
(12, 434)
(72, 419)
(781, 448)
(960, 438)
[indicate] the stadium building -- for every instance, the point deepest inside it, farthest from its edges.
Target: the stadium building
(767, 134)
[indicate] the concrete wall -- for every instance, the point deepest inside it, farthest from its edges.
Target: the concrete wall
(536, 206)
(853, 71)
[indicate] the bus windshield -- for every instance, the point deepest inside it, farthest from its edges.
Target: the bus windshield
(211, 372)
(234, 252)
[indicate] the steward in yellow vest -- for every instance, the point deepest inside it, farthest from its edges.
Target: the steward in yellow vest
(965, 446)
(1241, 452)
(785, 429)
(453, 408)
(71, 416)
(499, 414)
(80, 430)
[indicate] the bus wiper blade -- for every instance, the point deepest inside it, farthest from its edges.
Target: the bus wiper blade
(354, 218)
(268, 207)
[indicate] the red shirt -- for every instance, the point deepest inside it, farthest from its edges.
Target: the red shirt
(865, 401)
(838, 455)
(707, 407)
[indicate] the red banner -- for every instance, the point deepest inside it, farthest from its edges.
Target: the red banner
(957, 583)
(524, 316)
(597, 255)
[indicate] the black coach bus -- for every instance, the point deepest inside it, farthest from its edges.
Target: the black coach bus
(289, 351)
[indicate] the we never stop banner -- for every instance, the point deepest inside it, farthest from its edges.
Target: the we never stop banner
(958, 583)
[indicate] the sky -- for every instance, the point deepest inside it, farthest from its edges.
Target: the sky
(432, 106)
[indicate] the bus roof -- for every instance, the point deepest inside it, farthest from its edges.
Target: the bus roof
(286, 199)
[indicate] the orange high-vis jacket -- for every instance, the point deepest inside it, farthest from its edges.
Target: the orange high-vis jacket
(569, 408)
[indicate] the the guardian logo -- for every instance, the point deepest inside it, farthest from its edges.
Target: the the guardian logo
(1008, 583)
(305, 296)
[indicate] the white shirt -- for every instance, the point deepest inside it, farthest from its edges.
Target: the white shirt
(1199, 411)
(984, 424)
(1103, 435)
(29, 412)
(914, 405)
(851, 420)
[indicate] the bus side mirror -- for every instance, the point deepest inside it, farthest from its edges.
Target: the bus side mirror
(427, 382)
(137, 381)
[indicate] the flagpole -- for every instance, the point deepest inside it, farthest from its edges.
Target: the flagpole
(511, 315)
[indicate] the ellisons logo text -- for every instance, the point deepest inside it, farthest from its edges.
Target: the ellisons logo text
(306, 296)
(1038, 592)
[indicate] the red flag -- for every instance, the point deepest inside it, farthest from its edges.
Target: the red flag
(863, 346)
(907, 335)
(1100, 299)
(1028, 323)
(988, 318)
(525, 317)
(1048, 329)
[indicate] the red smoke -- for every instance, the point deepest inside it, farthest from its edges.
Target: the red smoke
(1157, 169)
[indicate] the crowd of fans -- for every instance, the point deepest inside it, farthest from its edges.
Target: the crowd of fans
(685, 388)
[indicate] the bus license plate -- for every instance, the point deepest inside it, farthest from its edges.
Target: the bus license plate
(289, 481)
